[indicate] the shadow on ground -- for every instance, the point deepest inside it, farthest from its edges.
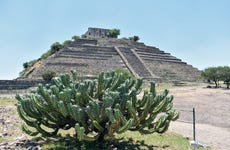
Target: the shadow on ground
(70, 143)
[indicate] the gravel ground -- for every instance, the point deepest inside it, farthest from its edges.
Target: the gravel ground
(212, 115)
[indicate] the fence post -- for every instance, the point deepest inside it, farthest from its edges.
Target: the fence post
(194, 124)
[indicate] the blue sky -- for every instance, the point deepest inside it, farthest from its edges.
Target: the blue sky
(196, 31)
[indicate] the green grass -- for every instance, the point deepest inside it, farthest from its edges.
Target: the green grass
(7, 101)
(128, 140)
(161, 141)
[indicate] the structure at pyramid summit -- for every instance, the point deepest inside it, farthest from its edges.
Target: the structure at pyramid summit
(96, 51)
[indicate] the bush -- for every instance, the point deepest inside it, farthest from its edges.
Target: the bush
(75, 37)
(114, 33)
(29, 64)
(48, 76)
(126, 73)
(134, 38)
(55, 47)
(96, 109)
(67, 42)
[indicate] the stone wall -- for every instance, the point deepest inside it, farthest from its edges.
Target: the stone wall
(97, 33)
(19, 84)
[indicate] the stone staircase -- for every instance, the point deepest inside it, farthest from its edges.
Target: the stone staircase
(135, 64)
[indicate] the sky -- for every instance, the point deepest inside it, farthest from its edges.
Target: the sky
(196, 31)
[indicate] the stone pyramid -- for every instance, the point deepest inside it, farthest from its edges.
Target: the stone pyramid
(97, 52)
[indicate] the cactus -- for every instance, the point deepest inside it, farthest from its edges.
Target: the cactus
(96, 109)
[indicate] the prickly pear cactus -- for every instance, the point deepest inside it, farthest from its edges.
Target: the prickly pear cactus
(95, 109)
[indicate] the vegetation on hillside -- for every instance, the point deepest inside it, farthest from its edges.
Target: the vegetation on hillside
(55, 47)
(217, 74)
(48, 76)
(96, 110)
(134, 38)
(27, 66)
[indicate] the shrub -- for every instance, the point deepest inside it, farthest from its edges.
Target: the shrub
(67, 42)
(126, 73)
(75, 37)
(55, 47)
(134, 38)
(29, 64)
(47, 76)
(96, 109)
(114, 33)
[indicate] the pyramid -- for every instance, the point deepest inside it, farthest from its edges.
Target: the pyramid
(97, 52)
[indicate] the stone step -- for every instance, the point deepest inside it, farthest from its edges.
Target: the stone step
(87, 47)
(85, 54)
(166, 55)
(160, 58)
(83, 57)
(67, 64)
(150, 50)
(138, 67)
(19, 84)
(164, 60)
(83, 42)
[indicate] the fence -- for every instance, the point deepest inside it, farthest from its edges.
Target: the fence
(193, 112)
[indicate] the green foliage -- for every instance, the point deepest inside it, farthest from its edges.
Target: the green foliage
(47, 76)
(134, 38)
(53, 49)
(217, 74)
(126, 73)
(46, 54)
(225, 75)
(114, 33)
(212, 74)
(67, 42)
(96, 109)
(27, 66)
(75, 37)
(56, 47)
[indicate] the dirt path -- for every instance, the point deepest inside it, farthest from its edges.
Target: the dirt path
(212, 114)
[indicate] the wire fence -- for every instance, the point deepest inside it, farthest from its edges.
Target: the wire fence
(190, 117)
(186, 115)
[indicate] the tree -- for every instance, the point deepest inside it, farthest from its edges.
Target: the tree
(75, 37)
(212, 74)
(56, 47)
(96, 109)
(25, 65)
(225, 75)
(114, 33)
